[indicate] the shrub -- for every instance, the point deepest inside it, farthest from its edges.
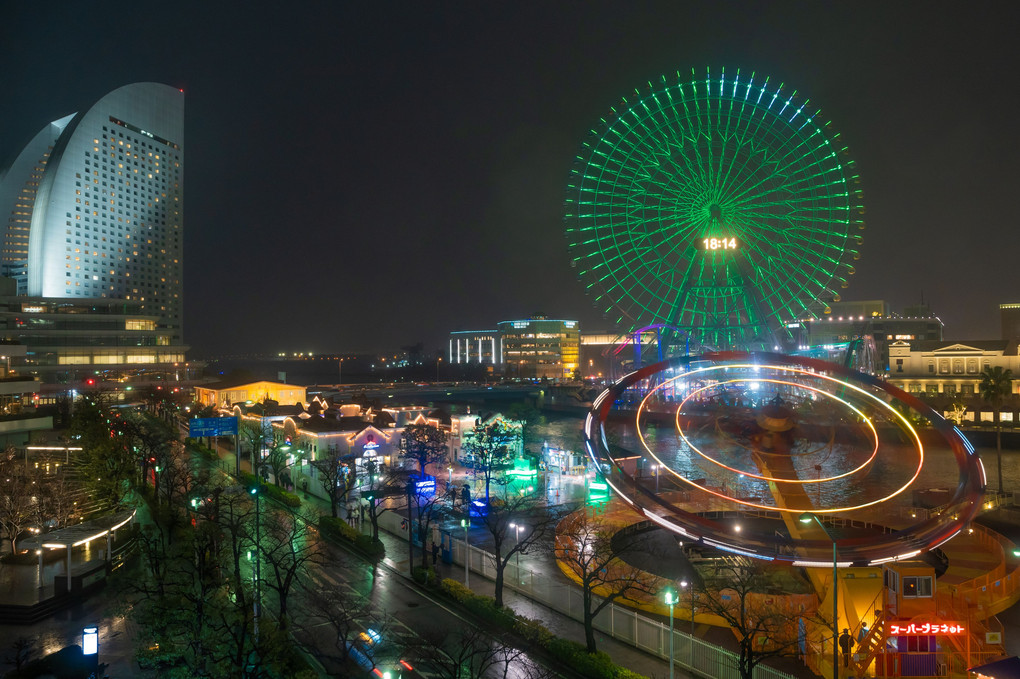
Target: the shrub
(455, 590)
(423, 576)
(340, 531)
(271, 491)
(595, 665)
(570, 653)
(195, 446)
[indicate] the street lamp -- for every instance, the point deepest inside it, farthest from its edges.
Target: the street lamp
(655, 468)
(671, 599)
(690, 656)
(517, 534)
(467, 553)
(258, 560)
(808, 517)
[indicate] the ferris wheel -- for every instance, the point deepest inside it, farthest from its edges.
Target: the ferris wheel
(717, 204)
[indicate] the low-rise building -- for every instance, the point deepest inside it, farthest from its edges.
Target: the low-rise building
(948, 373)
(226, 393)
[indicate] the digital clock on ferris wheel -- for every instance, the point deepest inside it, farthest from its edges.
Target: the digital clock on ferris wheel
(724, 243)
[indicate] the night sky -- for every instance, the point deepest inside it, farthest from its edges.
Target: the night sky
(361, 176)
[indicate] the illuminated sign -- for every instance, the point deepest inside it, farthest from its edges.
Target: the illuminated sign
(598, 490)
(927, 628)
(425, 487)
(522, 467)
(719, 243)
(370, 446)
(90, 641)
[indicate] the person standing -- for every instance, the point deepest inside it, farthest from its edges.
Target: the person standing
(846, 642)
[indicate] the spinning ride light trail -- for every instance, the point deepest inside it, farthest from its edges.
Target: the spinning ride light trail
(863, 396)
(711, 459)
(833, 510)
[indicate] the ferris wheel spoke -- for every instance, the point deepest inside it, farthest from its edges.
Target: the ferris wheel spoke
(784, 171)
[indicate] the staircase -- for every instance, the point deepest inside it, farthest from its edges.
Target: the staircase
(869, 648)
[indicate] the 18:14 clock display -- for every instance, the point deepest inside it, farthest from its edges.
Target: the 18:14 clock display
(720, 243)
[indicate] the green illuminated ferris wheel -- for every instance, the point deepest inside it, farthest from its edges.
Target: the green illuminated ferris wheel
(718, 204)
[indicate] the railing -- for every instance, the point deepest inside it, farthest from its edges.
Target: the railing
(621, 623)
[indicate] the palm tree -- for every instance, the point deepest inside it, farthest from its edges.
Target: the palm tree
(996, 384)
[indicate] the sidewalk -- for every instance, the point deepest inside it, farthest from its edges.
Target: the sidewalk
(557, 623)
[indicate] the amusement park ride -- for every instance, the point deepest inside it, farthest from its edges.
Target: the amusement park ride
(709, 213)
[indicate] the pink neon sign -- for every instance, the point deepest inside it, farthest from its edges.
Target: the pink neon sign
(927, 628)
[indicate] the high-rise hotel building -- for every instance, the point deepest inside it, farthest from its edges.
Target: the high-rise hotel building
(91, 212)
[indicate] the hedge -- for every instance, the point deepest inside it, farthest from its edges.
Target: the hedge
(570, 653)
(207, 453)
(268, 489)
(341, 531)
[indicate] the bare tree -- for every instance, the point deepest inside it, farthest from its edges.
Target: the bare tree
(424, 504)
(491, 450)
(338, 478)
(18, 489)
(175, 479)
(471, 653)
(22, 649)
(594, 553)
(425, 444)
(380, 486)
(517, 522)
(739, 594)
(287, 549)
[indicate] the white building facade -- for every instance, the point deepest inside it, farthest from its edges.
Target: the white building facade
(93, 206)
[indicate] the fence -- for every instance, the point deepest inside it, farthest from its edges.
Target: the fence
(619, 622)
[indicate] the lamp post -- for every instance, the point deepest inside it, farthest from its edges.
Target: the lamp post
(655, 468)
(517, 536)
(808, 517)
(670, 601)
(690, 655)
(258, 561)
(467, 554)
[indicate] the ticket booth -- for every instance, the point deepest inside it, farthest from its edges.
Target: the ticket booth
(916, 637)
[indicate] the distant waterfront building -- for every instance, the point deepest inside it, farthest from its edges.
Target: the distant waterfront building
(91, 210)
(475, 346)
(850, 320)
(533, 348)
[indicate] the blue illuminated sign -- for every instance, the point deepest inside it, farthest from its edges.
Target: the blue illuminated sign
(212, 426)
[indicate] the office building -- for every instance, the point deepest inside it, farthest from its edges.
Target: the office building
(533, 348)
